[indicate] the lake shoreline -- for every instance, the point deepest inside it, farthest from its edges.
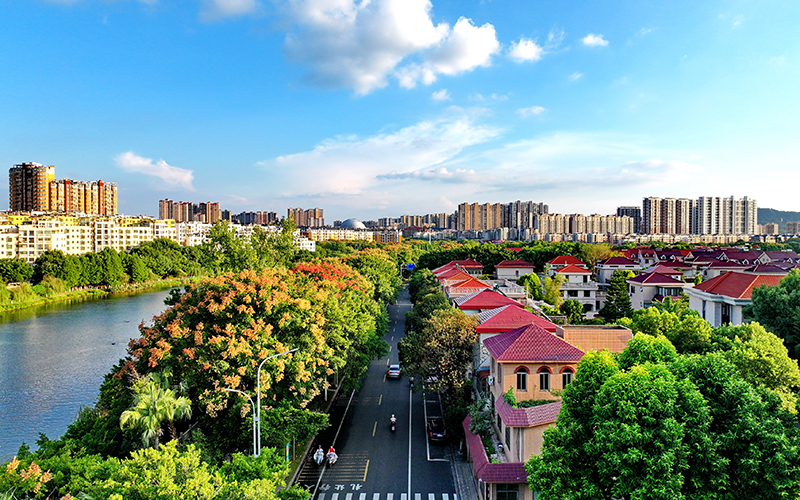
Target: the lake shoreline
(88, 294)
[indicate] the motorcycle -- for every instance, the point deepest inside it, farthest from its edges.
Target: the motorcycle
(332, 458)
(393, 423)
(319, 456)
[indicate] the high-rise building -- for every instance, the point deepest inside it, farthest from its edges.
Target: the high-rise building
(793, 227)
(705, 215)
(633, 212)
(33, 187)
(28, 187)
(312, 217)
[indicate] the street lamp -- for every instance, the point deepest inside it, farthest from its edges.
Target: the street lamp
(252, 407)
(258, 394)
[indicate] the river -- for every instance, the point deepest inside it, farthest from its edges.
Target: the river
(53, 359)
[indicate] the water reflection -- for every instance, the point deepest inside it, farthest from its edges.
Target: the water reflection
(53, 359)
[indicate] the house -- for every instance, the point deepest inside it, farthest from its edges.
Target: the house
(517, 356)
(494, 322)
(579, 286)
(465, 287)
(721, 299)
(557, 263)
(667, 270)
(519, 353)
(604, 269)
(512, 269)
(471, 266)
(646, 288)
(713, 268)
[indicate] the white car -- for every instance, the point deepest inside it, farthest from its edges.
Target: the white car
(394, 371)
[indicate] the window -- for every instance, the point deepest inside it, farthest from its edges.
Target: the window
(587, 293)
(507, 491)
(572, 293)
(544, 379)
(566, 377)
(522, 378)
(585, 279)
(508, 438)
(726, 314)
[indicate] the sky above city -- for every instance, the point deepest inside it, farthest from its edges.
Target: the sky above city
(379, 108)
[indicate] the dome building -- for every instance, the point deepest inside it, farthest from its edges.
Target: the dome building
(353, 224)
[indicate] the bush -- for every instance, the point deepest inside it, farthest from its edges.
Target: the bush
(52, 285)
(22, 292)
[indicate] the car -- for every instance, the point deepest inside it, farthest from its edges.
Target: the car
(437, 433)
(394, 371)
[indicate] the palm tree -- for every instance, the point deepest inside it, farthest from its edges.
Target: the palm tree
(154, 404)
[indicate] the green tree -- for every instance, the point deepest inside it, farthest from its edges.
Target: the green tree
(15, 270)
(618, 301)
(778, 309)
(155, 404)
(552, 290)
(442, 349)
(532, 284)
(136, 268)
(49, 263)
(573, 310)
(109, 267)
(590, 253)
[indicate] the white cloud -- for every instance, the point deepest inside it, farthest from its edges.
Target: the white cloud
(354, 167)
(172, 177)
(359, 44)
(212, 10)
(525, 50)
(592, 40)
(532, 111)
(441, 95)
(575, 76)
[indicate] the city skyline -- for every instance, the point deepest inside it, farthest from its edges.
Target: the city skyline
(405, 106)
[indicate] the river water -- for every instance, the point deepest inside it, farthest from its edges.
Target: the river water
(53, 359)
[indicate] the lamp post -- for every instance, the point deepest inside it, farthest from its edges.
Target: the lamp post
(258, 397)
(253, 408)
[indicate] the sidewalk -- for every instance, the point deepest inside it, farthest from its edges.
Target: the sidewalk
(462, 476)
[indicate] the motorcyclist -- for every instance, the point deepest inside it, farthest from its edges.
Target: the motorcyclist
(393, 420)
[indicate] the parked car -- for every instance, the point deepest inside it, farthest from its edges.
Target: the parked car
(437, 433)
(394, 371)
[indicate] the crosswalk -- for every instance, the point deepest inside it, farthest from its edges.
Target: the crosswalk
(385, 496)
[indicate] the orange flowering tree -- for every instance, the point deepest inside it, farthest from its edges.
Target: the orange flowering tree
(218, 332)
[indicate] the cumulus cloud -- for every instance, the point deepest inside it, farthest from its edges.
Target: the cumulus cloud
(592, 40)
(575, 76)
(533, 110)
(172, 177)
(360, 44)
(525, 50)
(441, 95)
(212, 10)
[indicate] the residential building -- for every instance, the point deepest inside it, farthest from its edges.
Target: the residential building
(793, 227)
(579, 286)
(28, 187)
(722, 299)
(604, 269)
(646, 288)
(483, 300)
(34, 188)
(633, 212)
(512, 269)
(312, 217)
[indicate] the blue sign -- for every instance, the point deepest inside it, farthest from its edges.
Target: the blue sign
(410, 267)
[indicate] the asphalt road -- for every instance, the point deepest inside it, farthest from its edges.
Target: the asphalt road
(375, 463)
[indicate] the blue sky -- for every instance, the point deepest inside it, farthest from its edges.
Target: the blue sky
(378, 108)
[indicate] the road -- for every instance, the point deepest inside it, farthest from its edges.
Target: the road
(375, 463)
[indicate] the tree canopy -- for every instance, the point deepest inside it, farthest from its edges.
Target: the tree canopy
(778, 309)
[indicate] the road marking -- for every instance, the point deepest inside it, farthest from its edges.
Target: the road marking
(410, 401)
(431, 496)
(417, 496)
(321, 496)
(390, 348)
(349, 496)
(325, 465)
(380, 400)
(384, 377)
(445, 496)
(362, 496)
(365, 477)
(374, 427)
(387, 361)
(376, 496)
(392, 338)
(390, 496)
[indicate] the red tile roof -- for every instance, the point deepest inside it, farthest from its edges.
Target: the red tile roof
(485, 299)
(453, 274)
(531, 343)
(766, 269)
(563, 260)
(617, 261)
(468, 264)
(443, 268)
(573, 269)
(527, 417)
(514, 263)
(737, 285)
(507, 318)
(655, 279)
(470, 283)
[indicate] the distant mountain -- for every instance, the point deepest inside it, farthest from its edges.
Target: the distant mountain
(767, 215)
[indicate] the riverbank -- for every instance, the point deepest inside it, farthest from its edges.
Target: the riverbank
(97, 293)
